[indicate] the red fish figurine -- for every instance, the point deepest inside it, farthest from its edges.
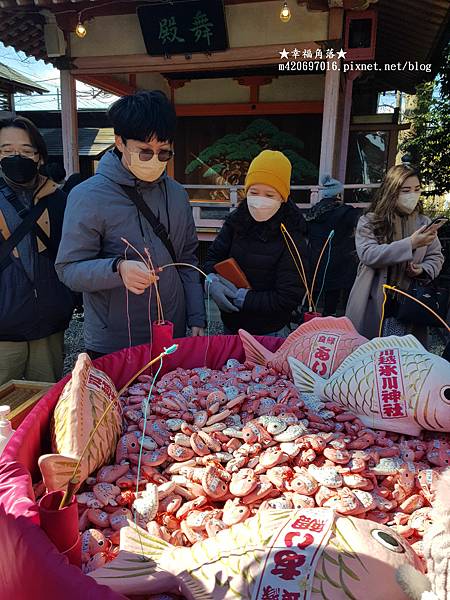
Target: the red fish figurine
(321, 344)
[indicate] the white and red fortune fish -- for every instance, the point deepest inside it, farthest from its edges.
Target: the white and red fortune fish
(78, 412)
(321, 344)
(311, 554)
(390, 383)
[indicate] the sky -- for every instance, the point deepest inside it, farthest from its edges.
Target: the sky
(46, 75)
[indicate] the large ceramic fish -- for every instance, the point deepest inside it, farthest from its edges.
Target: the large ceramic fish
(276, 555)
(78, 411)
(390, 383)
(321, 344)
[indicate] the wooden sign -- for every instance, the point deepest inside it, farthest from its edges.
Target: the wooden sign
(184, 27)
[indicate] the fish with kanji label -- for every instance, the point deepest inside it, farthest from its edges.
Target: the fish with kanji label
(391, 383)
(77, 414)
(321, 344)
(305, 554)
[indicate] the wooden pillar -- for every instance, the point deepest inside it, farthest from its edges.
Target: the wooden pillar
(12, 103)
(331, 98)
(174, 84)
(346, 117)
(69, 120)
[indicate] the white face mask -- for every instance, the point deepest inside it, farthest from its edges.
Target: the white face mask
(407, 201)
(146, 170)
(262, 208)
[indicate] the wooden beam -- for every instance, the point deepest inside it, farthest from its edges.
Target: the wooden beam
(69, 123)
(335, 23)
(261, 108)
(331, 99)
(108, 84)
(248, 57)
(346, 117)
(132, 80)
(378, 126)
(254, 82)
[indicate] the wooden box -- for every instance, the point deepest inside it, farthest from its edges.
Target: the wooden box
(21, 396)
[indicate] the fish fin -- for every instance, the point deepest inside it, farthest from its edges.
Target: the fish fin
(328, 324)
(255, 352)
(305, 380)
(57, 470)
(128, 573)
(138, 541)
(408, 342)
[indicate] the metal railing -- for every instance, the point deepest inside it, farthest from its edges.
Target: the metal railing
(210, 226)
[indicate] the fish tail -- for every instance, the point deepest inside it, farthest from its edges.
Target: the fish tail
(57, 470)
(254, 351)
(305, 380)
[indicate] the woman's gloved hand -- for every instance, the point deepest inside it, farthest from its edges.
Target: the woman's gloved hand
(222, 292)
(240, 298)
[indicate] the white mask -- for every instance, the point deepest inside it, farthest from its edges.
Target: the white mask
(146, 170)
(262, 208)
(407, 201)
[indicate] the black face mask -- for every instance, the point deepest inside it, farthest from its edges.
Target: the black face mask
(19, 169)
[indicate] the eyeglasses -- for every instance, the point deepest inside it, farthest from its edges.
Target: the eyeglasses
(163, 155)
(26, 153)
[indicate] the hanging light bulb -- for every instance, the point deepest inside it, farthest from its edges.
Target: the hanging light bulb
(80, 29)
(285, 14)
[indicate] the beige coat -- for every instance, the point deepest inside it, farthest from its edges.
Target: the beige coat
(366, 298)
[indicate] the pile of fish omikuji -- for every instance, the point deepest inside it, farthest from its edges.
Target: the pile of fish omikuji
(218, 446)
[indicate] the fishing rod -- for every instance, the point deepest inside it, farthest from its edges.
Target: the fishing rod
(74, 479)
(398, 291)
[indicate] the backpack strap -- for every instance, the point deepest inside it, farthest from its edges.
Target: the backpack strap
(159, 229)
(8, 245)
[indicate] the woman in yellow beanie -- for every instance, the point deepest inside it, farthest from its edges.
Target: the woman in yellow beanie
(252, 236)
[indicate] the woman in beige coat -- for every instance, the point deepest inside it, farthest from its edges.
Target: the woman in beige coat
(393, 247)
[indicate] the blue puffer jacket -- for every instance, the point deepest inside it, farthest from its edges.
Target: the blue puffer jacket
(33, 302)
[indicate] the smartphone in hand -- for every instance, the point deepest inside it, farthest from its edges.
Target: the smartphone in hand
(439, 221)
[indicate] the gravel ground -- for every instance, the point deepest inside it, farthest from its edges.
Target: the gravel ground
(74, 339)
(74, 342)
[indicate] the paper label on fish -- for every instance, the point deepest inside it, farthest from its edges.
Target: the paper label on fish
(390, 384)
(323, 353)
(98, 382)
(292, 556)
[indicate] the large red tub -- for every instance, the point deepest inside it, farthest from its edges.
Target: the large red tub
(31, 568)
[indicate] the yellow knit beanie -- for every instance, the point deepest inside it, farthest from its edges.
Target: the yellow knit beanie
(273, 168)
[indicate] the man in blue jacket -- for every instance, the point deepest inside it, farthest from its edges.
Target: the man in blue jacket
(35, 307)
(101, 213)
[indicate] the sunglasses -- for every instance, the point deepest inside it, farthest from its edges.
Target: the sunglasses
(163, 155)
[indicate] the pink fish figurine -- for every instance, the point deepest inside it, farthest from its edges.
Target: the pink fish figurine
(307, 553)
(390, 383)
(321, 344)
(77, 414)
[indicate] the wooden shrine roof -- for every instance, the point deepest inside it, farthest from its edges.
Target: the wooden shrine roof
(408, 30)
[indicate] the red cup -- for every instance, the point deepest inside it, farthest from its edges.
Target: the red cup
(162, 337)
(309, 316)
(61, 525)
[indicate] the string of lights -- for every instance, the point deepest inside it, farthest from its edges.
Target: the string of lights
(81, 30)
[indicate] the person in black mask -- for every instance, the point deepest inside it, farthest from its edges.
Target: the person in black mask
(35, 307)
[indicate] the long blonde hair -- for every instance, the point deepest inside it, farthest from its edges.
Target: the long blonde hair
(385, 201)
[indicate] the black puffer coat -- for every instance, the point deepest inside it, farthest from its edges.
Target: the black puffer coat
(261, 252)
(33, 302)
(330, 214)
